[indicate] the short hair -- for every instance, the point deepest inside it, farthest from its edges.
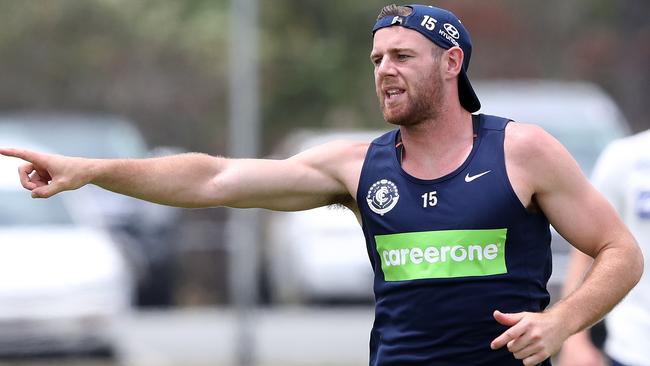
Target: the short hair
(393, 9)
(403, 11)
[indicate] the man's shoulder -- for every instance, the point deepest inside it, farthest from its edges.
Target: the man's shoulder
(355, 147)
(527, 137)
(335, 153)
(344, 147)
(530, 149)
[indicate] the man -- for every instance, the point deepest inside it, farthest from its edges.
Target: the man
(622, 174)
(455, 207)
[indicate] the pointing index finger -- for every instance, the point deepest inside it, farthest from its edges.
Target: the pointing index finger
(20, 153)
(512, 333)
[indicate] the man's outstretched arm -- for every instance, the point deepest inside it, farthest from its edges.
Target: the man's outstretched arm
(317, 177)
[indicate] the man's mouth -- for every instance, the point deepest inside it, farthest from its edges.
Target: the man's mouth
(393, 93)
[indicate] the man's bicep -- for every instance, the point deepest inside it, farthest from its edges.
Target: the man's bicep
(545, 172)
(585, 219)
(284, 185)
(574, 207)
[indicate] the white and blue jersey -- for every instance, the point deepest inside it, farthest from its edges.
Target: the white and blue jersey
(448, 252)
(622, 174)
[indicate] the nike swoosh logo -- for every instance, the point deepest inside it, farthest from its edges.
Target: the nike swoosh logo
(469, 178)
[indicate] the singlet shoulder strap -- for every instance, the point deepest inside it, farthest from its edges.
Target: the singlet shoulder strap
(386, 139)
(492, 122)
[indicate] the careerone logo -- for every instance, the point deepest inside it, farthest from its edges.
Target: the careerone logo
(442, 254)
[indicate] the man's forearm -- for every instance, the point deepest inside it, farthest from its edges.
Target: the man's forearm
(614, 272)
(183, 180)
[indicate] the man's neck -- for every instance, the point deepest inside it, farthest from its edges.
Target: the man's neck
(436, 147)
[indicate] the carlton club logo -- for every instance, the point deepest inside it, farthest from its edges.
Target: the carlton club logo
(382, 196)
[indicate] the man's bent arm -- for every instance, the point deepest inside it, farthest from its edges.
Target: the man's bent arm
(609, 177)
(587, 220)
(552, 181)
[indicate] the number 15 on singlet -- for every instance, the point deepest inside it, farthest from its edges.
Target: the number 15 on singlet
(429, 199)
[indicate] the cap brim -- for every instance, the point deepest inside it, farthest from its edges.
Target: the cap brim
(466, 94)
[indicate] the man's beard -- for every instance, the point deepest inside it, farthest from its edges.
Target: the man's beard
(418, 107)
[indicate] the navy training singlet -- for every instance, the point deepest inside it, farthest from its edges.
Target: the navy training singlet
(448, 252)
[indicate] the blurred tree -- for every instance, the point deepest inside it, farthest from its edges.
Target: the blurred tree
(163, 63)
(316, 65)
(158, 62)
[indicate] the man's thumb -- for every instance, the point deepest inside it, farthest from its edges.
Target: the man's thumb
(508, 319)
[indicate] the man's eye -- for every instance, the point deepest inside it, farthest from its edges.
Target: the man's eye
(402, 57)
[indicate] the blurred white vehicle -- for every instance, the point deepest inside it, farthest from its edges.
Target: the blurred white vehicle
(320, 254)
(146, 231)
(62, 284)
(579, 114)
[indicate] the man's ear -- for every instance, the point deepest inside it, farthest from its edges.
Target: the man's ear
(454, 61)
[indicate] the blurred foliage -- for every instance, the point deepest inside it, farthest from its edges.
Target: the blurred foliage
(316, 65)
(160, 63)
(164, 64)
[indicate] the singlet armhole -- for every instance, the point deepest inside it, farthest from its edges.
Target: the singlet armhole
(508, 182)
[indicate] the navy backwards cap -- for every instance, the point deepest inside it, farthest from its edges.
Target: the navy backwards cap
(444, 29)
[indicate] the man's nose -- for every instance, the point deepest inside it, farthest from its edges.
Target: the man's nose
(386, 67)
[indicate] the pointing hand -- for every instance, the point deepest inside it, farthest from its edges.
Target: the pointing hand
(46, 174)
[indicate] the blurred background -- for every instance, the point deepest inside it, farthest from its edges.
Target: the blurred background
(133, 283)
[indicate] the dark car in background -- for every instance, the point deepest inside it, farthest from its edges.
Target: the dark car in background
(147, 231)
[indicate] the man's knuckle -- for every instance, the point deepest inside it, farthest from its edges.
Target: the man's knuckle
(533, 360)
(545, 352)
(536, 335)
